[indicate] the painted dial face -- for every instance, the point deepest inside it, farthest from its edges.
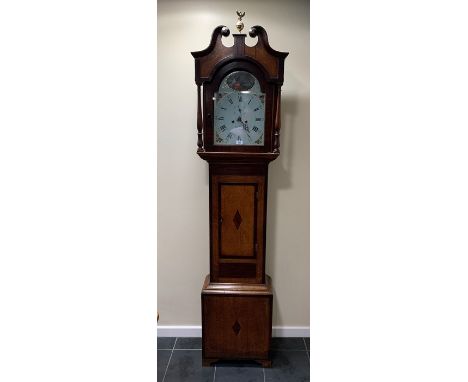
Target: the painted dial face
(239, 111)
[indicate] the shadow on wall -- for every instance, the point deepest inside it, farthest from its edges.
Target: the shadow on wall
(281, 174)
(279, 178)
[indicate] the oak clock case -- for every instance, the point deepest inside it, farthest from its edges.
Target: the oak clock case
(238, 124)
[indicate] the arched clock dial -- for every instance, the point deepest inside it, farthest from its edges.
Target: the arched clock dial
(239, 111)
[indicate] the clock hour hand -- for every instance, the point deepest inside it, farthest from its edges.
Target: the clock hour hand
(239, 119)
(245, 126)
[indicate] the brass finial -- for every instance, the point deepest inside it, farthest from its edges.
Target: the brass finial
(240, 24)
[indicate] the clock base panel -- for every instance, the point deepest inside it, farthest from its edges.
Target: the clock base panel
(236, 322)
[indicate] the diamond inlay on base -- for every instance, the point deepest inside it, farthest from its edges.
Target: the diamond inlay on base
(236, 327)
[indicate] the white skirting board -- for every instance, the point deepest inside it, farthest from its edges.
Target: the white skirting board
(195, 331)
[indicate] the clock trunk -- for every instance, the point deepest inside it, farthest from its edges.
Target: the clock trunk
(238, 222)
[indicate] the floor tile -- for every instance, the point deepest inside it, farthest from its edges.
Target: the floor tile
(166, 343)
(307, 341)
(238, 372)
(189, 343)
(163, 359)
(287, 343)
(288, 366)
(186, 366)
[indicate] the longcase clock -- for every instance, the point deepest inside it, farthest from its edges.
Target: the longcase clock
(238, 124)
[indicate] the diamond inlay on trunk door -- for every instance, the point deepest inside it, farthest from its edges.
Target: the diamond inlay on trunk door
(236, 327)
(237, 219)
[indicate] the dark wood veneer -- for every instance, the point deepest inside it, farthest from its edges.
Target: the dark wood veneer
(217, 60)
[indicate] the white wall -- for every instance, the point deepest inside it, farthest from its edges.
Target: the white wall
(183, 237)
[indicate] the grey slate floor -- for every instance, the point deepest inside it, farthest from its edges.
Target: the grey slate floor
(179, 360)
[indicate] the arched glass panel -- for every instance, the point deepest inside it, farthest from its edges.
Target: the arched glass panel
(239, 111)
